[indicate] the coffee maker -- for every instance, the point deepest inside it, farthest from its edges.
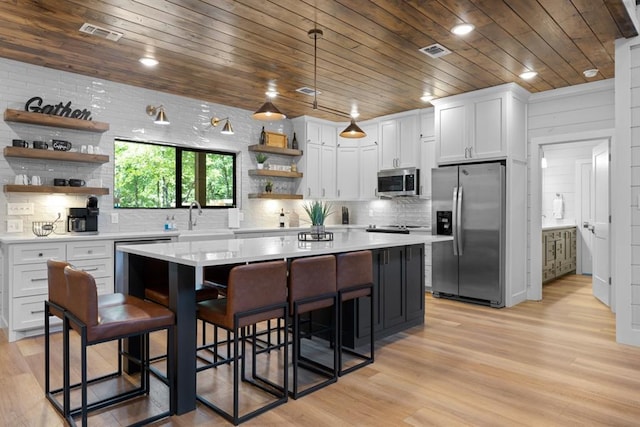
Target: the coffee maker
(84, 220)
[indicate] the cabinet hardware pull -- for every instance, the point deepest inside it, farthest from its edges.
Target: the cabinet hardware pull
(39, 279)
(90, 251)
(90, 269)
(37, 311)
(40, 254)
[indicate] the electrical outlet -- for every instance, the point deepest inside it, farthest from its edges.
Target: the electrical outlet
(114, 218)
(19, 208)
(14, 226)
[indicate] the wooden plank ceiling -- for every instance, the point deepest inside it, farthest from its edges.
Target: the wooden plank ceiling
(229, 52)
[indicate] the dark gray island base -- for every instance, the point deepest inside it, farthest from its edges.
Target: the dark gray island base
(398, 292)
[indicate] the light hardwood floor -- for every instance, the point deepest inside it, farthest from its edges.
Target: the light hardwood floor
(545, 363)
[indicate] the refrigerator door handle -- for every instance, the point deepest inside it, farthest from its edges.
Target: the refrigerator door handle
(459, 221)
(454, 226)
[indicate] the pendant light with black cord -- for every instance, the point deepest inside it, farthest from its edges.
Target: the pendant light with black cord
(351, 131)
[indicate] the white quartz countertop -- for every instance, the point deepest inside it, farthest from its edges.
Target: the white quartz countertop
(557, 227)
(220, 252)
(29, 237)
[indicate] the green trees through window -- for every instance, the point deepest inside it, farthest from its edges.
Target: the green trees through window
(149, 175)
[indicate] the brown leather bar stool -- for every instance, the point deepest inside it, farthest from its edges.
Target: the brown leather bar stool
(354, 280)
(56, 306)
(95, 324)
(255, 293)
(312, 286)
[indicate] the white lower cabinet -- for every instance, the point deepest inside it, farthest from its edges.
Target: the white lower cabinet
(25, 285)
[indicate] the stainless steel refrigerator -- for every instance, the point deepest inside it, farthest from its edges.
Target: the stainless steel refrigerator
(468, 203)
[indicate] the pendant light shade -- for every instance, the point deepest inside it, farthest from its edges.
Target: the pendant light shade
(353, 131)
(268, 111)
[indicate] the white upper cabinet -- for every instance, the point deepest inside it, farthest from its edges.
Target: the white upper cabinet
(318, 163)
(399, 141)
(368, 157)
(488, 124)
(357, 165)
(347, 166)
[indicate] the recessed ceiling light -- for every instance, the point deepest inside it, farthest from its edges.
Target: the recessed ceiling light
(528, 75)
(462, 29)
(354, 114)
(271, 93)
(590, 73)
(149, 62)
(426, 97)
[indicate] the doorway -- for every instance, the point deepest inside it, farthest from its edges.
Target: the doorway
(554, 147)
(566, 181)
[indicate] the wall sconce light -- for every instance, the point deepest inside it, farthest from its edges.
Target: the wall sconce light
(268, 111)
(353, 131)
(226, 129)
(161, 118)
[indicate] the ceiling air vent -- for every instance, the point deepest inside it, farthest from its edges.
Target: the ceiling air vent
(308, 91)
(435, 50)
(94, 30)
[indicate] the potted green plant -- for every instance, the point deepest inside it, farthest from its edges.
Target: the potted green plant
(261, 158)
(268, 187)
(317, 211)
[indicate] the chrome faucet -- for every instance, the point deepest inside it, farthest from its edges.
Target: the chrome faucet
(192, 221)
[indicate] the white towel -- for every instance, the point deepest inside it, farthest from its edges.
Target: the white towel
(558, 207)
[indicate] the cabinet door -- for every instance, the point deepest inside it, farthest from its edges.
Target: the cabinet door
(347, 173)
(414, 279)
(388, 144)
(369, 172)
(408, 141)
(427, 162)
(328, 172)
(314, 133)
(312, 172)
(451, 133)
(329, 135)
(392, 287)
(489, 129)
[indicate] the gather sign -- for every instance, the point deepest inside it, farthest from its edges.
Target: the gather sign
(64, 110)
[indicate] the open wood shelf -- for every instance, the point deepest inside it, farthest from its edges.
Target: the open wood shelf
(279, 174)
(275, 150)
(34, 153)
(11, 188)
(57, 121)
(274, 196)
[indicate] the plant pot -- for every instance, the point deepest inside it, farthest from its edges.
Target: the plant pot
(268, 188)
(260, 165)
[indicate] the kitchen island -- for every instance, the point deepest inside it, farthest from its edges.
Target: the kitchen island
(400, 296)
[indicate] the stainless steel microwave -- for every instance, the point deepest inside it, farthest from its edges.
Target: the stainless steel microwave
(399, 182)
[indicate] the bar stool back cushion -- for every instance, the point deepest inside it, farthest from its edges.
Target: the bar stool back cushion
(57, 285)
(310, 277)
(354, 269)
(251, 286)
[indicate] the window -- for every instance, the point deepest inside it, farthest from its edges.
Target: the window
(150, 175)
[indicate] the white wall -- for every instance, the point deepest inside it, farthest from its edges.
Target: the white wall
(559, 178)
(123, 107)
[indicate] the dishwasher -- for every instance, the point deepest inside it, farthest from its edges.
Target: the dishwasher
(119, 257)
